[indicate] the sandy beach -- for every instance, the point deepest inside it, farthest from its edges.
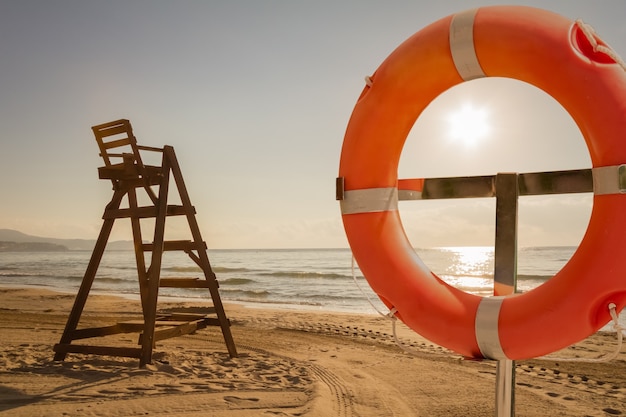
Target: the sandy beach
(291, 363)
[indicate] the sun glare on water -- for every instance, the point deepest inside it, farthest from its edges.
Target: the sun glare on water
(472, 260)
(469, 124)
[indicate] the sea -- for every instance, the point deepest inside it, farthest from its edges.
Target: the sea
(303, 279)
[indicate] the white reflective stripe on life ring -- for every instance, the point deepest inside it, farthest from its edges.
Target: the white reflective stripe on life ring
(487, 334)
(462, 46)
(609, 180)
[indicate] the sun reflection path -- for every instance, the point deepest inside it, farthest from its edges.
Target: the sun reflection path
(470, 268)
(471, 260)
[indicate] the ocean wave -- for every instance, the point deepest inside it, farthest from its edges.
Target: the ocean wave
(107, 265)
(545, 248)
(111, 280)
(277, 302)
(520, 277)
(197, 269)
(182, 269)
(533, 277)
(305, 275)
(225, 269)
(15, 274)
(245, 293)
(236, 281)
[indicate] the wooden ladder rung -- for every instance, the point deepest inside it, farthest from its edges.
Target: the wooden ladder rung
(144, 212)
(128, 173)
(171, 245)
(149, 148)
(188, 316)
(112, 128)
(166, 332)
(161, 321)
(98, 332)
(184, 283)
(126, 352)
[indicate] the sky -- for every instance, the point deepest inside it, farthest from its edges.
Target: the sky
(255, 97)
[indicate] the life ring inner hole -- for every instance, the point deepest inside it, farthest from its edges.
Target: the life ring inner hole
(527, 131)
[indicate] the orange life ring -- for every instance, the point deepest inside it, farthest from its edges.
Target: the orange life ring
(552, 53)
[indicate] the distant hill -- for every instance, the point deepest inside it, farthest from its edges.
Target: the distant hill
(13, 236)
(31, 247)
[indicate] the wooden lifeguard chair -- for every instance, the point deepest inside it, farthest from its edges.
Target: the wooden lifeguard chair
(125, 168)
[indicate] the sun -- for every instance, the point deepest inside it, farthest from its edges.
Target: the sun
(469, 124)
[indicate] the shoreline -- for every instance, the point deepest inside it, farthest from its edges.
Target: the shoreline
(270, 305)
(367, 310)
(291, 362)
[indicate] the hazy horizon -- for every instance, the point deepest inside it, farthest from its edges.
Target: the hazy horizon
(129, 241)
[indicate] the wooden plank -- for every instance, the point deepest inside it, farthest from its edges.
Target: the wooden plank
(212, 321)
(171, 322)
(129, 169)
(116, 172)
(112, 128)
(172, 245)
(132, 212)
(168, 332)
(117, 155)
(130, 180)
(126, 352)
(160, 321)
(137, 322)
(111, 131)
(149, 148)
(183, 283)
(110, 124)
(97, 332)
(132, 326)
(190, 316)
(175, 331)
(143, 212)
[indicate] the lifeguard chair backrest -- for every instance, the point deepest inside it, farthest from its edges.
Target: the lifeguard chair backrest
(115, 140)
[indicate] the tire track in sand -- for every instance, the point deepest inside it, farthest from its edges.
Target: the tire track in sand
(343, 404)
(544, 372)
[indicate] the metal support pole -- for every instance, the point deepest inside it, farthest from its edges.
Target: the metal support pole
(505, 278)
(507, 188)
